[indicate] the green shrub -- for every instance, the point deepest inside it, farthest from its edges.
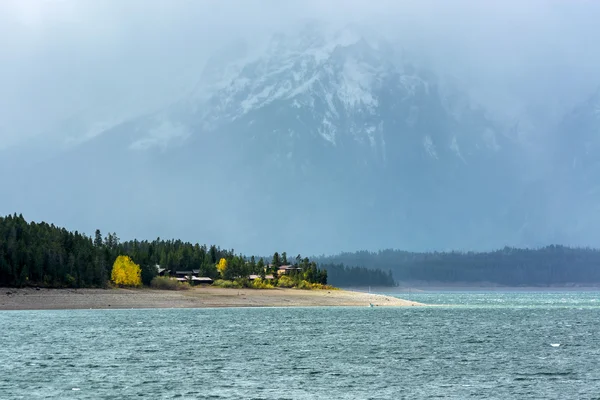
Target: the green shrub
(243, 282)
(258, 283)
(222, 283)
(70, 280)
(320, 286)
(165, 283)
(306, 285)
(285, 282)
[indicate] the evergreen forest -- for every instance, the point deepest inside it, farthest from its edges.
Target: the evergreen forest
(42, 254)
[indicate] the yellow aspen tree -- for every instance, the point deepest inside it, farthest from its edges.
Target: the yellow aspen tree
(125, 272)
(222, 266)
(134, 274)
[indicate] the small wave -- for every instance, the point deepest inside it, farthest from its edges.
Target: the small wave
(547, 374)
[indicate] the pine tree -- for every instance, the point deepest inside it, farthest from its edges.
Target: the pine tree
(261, 268)
(98, 239)
(276, 260)
(252, 265)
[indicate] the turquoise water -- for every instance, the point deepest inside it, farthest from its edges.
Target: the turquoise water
(484, 346)
(525, 299)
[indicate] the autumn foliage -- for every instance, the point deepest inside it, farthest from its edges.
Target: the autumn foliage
(125, 272)
(222, 266)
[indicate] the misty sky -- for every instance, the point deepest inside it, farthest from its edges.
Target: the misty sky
(96, 62)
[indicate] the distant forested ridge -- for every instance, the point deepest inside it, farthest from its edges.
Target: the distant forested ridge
(550, 265)
(43, 254)
(342, 276)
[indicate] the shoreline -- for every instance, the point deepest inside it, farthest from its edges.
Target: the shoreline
(198, 297)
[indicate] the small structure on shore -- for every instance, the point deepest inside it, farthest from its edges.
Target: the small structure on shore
(202, 279)
(192, 277)
(287, 270)
(253, 277)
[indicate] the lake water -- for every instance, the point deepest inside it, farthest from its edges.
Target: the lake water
(485, 345)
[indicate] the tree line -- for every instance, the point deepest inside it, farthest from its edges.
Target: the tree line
(43, 254)
(550, 265)
(46, 255)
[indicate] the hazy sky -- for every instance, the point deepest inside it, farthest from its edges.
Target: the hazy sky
(94, 62)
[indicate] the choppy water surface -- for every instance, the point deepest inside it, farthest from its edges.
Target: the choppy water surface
(486, 345)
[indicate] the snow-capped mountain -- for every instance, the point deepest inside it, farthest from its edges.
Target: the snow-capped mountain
(349, 91)
(342, 86)
(323, 140)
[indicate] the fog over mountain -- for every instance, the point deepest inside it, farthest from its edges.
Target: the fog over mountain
(307, 127)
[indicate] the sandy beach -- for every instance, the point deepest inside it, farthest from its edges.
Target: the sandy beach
(200, 297)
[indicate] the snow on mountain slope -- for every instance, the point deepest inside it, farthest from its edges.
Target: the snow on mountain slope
(343, 71)
(327, 137)
(342, 85)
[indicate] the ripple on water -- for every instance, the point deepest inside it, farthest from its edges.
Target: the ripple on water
(481, 348)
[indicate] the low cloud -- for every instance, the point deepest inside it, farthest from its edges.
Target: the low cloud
(61, 57)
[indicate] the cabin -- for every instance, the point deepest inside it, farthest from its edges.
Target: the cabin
(197, 280)
(287, 270)
(253, 277)
(192, 277)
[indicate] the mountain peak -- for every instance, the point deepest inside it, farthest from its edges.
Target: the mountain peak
(341, 68)
(320, 40)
